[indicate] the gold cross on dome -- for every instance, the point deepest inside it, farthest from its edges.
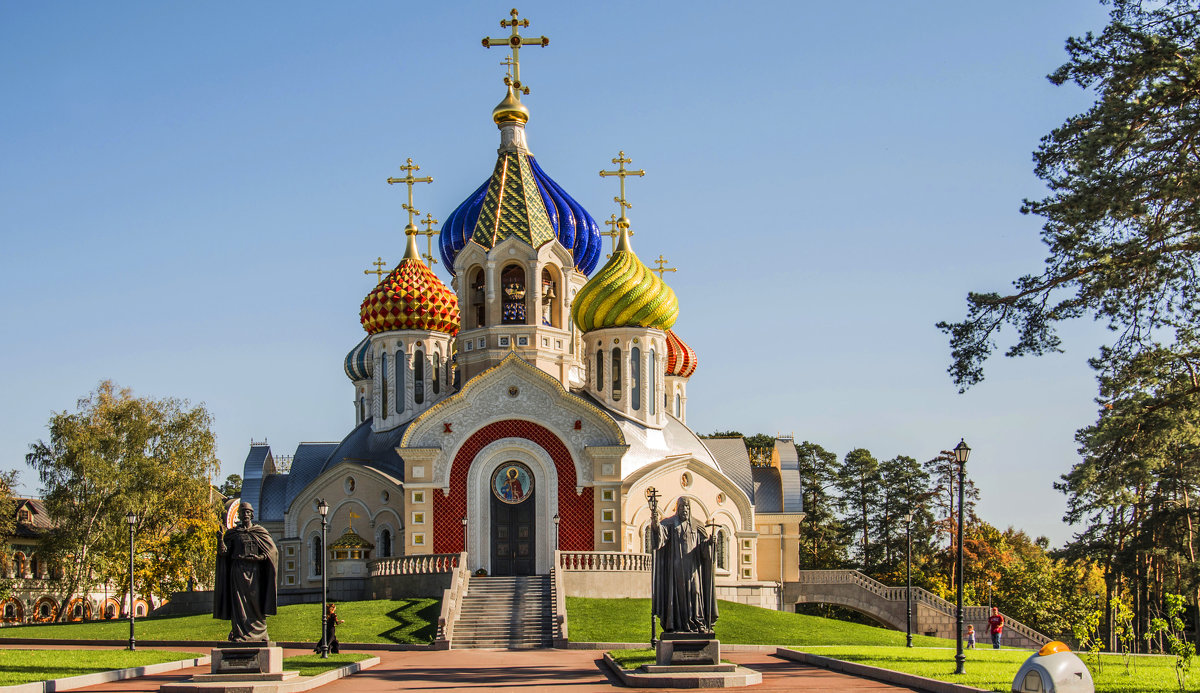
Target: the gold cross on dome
(378, 271)
(429, 233)
(662, 266)
(621, 173)
(508, 63)
(515, 41)
(408, 169)
(613, 232)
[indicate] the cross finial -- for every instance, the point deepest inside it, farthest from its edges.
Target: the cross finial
(662, 266)
(408, 169)
(613, 232)
(622, 173)
(429, 233)
(515, 41)
(378, 271)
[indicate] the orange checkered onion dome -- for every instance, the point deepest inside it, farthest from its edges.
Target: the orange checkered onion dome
(410, 298)
(681, 358)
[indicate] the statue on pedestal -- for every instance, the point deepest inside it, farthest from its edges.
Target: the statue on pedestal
(245, 591)
(683, 596)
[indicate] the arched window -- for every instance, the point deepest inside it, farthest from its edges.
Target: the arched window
(77, 610)
(383, 389)
(635, 377)
(512, 306)
(437, 373)
(476, 298)
(140, 609)
(35, 568)
(722, 550)
(401, 376)
(385, 543)
(616, 374)
(550, 300)
(419, 376)
(19, 563)
(362, 409)
(10, 611)
(646, 548)
(316, 555)
(44, 610)
(651, 379)
(600, 370)
(678, 406)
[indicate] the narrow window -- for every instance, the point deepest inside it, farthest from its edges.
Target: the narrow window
(419, 377)
(512, 306)
(401, 377)
(635, 377)
(362, 409)
(722, 550)
(316, 555)
(600, 370)
(437, 373)
(678, 406)
(652, 378)
(385, 543)
(383, 388)
(476, 298)
(616, 374)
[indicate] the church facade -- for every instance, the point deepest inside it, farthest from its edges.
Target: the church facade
(525, 409)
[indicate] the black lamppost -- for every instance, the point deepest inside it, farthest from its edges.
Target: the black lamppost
(556, 521)
(131, 518)
(652, 501)
(961, 453)
(989, 596)
(323, 508)
(908, 579)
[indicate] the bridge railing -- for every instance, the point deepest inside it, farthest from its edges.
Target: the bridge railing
(919, 595)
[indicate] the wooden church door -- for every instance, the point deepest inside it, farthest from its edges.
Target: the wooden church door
(513, 528)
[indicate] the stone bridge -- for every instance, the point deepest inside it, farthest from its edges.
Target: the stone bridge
(931, 614)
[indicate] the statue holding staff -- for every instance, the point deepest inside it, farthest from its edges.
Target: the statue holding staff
(245, 591)
(683, 597)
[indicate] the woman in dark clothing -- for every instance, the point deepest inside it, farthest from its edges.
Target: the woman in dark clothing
(331, 624)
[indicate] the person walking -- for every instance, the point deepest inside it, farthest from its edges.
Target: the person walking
(995, 627)
(331, 624)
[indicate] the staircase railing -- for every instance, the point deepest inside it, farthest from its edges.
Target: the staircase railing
(919, 595)
(451, 597)
(559, 604)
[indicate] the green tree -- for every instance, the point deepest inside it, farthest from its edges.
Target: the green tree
(117, 454)
(822, 544)
(858, 483)
(232, 486)
(906, 489)
(1122, 219)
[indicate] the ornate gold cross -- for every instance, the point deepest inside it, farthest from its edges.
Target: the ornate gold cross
(429, 233)
(515, 41)
(662, 267)
(613, 232)
(409, 179)
(621, 173)
(378, 271)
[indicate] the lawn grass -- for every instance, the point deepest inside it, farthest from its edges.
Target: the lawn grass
(994, 669)
(24, 666)
(628, 620)
(406, 621)
(311, 665)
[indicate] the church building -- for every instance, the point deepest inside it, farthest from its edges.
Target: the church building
(524, 410)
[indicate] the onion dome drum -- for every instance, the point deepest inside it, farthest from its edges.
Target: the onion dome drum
(625, 293)
(681, 358)
(410, 298)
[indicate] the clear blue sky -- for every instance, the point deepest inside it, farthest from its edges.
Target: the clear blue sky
(189, 193)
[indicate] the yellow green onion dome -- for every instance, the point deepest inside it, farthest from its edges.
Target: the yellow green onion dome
(625, 293)
(681, 358)
(410, 298)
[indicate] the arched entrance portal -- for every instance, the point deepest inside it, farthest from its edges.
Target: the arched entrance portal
(514, 520)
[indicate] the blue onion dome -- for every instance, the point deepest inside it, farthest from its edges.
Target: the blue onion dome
(505, 206)
(359, 361)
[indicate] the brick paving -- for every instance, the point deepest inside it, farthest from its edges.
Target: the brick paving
(576, 671)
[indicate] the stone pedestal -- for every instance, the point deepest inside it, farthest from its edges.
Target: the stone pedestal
(246, 663)
(688, 649)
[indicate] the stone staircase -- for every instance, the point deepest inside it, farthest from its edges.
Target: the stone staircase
(505, 612)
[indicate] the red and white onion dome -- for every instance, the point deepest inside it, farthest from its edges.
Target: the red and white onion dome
(681, 358)
(410, 298)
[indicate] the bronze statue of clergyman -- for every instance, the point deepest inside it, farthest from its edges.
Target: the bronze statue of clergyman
(684, 599)
(245, 590)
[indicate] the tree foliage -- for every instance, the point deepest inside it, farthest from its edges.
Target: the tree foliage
(1121, 218)
(117, 454)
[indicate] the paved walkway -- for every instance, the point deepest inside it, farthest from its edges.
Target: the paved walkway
(576, 671)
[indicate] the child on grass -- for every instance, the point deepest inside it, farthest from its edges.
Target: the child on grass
(970, 637)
